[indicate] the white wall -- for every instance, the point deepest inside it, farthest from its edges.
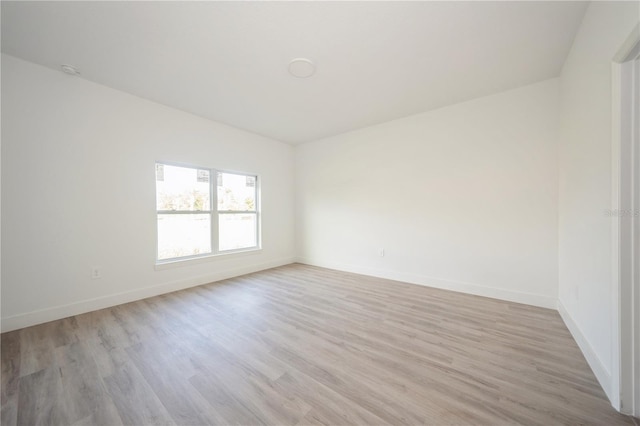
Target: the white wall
(586, 292)
(463, 197)
(78, 190)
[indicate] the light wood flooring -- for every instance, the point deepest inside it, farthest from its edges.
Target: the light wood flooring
(300, 345)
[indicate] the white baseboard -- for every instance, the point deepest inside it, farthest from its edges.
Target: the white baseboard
(599, 370)
(63, 311)
(462, 287)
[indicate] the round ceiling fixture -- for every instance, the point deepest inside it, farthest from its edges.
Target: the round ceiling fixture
(70, 69)
(301, 68)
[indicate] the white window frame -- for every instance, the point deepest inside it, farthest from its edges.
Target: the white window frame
(213, 212)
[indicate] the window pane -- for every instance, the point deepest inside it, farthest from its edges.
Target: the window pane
(237, 231)
(183, 235)
(236, 192)
(182, 188)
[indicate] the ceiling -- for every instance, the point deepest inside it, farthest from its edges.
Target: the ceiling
(227, 61)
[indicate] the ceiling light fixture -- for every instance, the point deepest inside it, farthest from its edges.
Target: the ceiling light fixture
(301, 68)
(70, 69)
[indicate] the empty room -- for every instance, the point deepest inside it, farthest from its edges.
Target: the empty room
(320, 213)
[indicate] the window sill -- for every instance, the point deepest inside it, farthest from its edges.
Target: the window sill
(177, 263)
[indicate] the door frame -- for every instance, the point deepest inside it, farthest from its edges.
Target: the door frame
(625, 204)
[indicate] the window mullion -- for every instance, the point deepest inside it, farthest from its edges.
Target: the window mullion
(215, 244)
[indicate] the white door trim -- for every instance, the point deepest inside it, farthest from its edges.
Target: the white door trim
(625, 391)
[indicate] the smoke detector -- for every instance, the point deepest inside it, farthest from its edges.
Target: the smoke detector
(301, 68)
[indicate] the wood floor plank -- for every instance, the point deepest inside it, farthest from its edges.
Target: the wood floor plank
(184, 403)
(9, 415)
(41, 399)
(301, 345)
(329, 407)
(37, 349)
(217, 391)
(85, 395)
(208, 322)
(106, 340)
(10, 344)
(136, 402)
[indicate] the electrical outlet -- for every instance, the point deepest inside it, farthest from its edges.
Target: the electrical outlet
(96, 273)
(381, 252)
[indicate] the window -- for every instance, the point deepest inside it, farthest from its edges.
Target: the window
(188, 224)
(237, 215)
